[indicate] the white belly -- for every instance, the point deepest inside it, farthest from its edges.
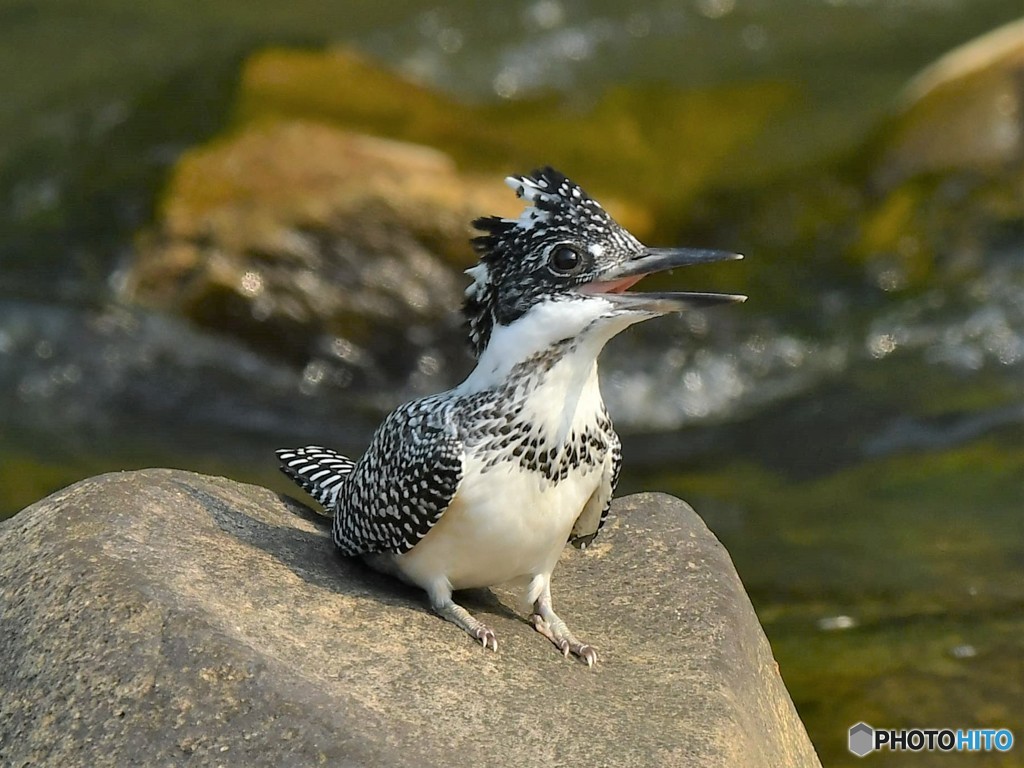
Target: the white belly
(504, 524)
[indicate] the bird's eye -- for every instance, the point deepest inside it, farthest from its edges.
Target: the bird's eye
(565, 260)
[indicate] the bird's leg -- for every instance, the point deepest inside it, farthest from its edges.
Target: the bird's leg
(548, 623)
(443, 605)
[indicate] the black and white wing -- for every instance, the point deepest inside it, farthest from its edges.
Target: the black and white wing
(595, 511)
(404, 482)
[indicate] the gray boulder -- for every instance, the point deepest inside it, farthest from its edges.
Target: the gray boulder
(162, 617)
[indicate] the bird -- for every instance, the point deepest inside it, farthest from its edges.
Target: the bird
(486, 483)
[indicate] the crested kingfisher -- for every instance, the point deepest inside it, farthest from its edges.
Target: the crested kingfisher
(485, 483)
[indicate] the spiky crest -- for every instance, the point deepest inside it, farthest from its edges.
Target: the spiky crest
(511, 275)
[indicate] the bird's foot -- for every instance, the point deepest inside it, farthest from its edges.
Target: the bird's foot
(459, 616)
(554, 629)
(486, 636)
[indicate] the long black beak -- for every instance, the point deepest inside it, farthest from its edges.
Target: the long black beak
(652, 260)
(612, 284)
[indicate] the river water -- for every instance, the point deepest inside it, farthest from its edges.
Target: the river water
(862, 461)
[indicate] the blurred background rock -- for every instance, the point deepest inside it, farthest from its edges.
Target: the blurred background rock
(242, 225)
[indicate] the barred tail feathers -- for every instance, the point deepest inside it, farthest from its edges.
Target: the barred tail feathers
(318, 471)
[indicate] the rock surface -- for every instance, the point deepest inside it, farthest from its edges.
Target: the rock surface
(168, 617)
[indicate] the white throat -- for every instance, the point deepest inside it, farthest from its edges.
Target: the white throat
(591, 322)
(569, 384)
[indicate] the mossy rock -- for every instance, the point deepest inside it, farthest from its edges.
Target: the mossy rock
(937, 187)
(947, 174)
(292, 232)
(963, 113)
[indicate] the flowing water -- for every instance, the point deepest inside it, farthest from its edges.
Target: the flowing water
(863, 462)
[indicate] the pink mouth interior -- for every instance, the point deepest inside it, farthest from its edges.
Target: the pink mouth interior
(614, 286)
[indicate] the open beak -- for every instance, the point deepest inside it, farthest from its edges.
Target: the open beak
(613, 284)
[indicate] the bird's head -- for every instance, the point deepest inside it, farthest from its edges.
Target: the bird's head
(565, 247)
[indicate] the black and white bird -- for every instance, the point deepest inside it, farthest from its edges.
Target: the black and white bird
(485, 484)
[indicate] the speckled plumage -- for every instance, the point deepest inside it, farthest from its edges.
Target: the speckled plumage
(429, 439)
(504, 288)
(486, 483)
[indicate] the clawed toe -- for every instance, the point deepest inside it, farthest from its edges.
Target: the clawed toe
(542, 626)
(564, 640)
(565, 647)
(459, 616)
(588, 654)
(486, 636)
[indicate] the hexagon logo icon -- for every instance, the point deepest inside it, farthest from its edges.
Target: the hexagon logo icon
(862, 739)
